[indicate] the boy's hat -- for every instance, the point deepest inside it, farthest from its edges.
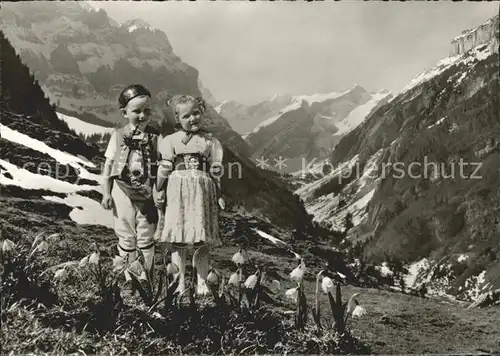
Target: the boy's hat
(131, 92)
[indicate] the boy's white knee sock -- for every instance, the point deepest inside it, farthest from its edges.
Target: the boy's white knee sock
(129, 256)
(149, 254)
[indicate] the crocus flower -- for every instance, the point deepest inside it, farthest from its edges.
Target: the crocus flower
(276, 284)
(61, 274)
(293, 294)
(358, 311)
(234, 279)
(94, 258)
(84, 261)
(298, 273)
(327, 285)
(240, 257)
(7, 245)
(42, 246)
(213, 278)
(251, 281)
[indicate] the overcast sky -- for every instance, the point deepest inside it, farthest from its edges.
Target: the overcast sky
(249, 51)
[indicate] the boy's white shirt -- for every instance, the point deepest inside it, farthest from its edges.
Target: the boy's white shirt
(135, 157)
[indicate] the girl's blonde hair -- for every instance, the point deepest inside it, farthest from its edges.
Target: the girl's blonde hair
(174, 101)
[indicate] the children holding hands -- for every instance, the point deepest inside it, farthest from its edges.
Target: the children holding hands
(179, 174)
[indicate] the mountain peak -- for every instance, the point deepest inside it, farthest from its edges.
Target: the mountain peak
(135, 24)
(88, 7)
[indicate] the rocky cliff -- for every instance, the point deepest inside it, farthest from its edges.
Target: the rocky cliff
(83, 59)
(420, 175)
(487, 33)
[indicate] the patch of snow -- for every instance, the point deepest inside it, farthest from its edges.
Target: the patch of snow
(218, 108)
(476, 285)
(271, 238)
(359, 114)
(462, 76)
(293, 106)
(82, 127)
(136, 27)
(414, 270)
(437, 123)
(318, 98)
(469, 57)
(384, 270)
(28, 180)
(462, 258)
(25, 140)
(86, 210)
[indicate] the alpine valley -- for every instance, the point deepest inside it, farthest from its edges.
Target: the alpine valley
(423, 253)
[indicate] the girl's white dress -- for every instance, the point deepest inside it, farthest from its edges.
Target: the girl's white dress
(192, 211)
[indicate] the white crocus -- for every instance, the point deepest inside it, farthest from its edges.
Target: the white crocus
(42, 246)
(84, 261)
(358, 311)
(251, 281)
(234, 279)
(7, 246)
(240, 257)
(61, 274)
(293, 294)
(94, 258)
(298, 273)
(327, 285)
(213, 278)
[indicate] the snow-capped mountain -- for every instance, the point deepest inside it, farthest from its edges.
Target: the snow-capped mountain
(50, 177)
(398, 173)
(83, 59)
(304, 127)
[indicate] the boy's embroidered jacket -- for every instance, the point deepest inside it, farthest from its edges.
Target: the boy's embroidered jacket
(146, 141)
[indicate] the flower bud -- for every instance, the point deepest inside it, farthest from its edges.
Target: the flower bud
(84, 261)
(43, 246)
(213, 278)
(240, 257)
(251, 281)
(298, 273)
(61, 274)
(7, 245)
(327, 285)
(234, 279)
(358, 311)
(94, 258)
(292, 294)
